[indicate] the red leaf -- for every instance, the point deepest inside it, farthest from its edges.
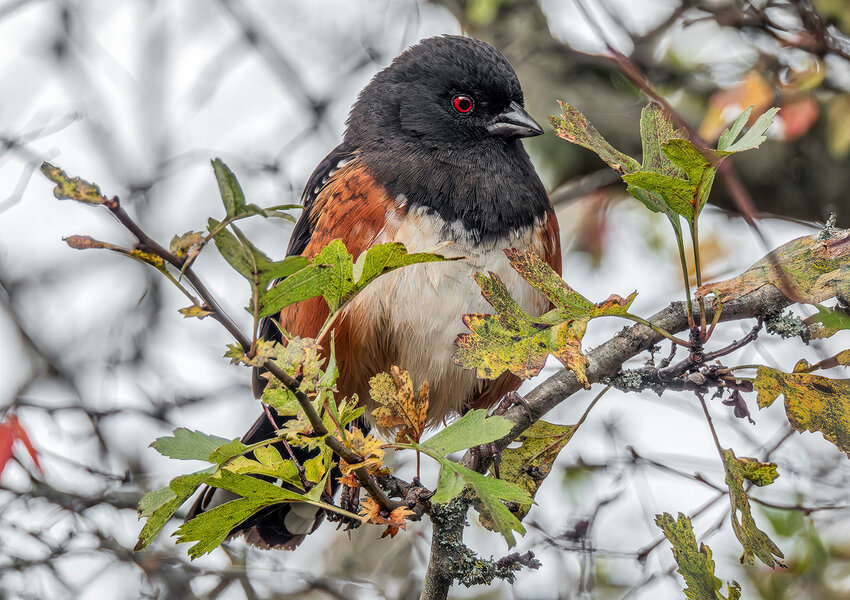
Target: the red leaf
(7, 438)
(10, 431)
(24, 437)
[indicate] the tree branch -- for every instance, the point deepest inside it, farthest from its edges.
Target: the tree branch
(605, 361)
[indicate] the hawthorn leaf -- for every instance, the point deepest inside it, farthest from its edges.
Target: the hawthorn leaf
(696, 564)
(812, 403)
(530, 463)
(302, 359)
(195, 311)
(472, 429)
(232, 251)
(827, 321)
(816, 266)
(331, 274)
(752, 139)
(754, 541)
(396, 520)
(367, 447)
(676, 194)
(263, 351)
(489, 494)
(186, 444)
(211, 528)
(158, 506)
(729, 135)
(656, 127)
(512, 340)
(231, 192)
(574, 127)
(267, 461)
(842, 359)
(400, 409)
(183, 246)
(383, 258)
(72, 189)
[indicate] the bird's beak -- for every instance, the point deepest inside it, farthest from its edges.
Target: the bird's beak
(514, 122)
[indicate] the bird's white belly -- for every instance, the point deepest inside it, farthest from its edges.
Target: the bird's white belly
(419, 307)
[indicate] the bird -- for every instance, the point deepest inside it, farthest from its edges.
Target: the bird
(432, 153)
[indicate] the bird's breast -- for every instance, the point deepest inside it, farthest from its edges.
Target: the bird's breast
(410, 317)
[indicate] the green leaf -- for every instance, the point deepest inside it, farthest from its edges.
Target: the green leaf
(754, 136)
(660, 180)
(331, 274)
(186, 444)
(754, 541)
(676, 194)
(656, 127)
(514, 341)
(574, 127)
(236, 255)
(383, 258)
(728, 136)
(530, 463)
(268, 461)
(489, 493)
(231, 191)
(212, 527)
(158, 506)
(812, 403)
(827, 321)
(696, 564)
(72, 189)
(472, 429)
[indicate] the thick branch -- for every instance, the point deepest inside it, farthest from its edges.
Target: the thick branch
(603, 362)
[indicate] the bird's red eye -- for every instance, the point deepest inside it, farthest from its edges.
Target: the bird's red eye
(462, 104)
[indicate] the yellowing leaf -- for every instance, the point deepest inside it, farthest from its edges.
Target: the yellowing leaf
(530, 464)
(812, 403)
(817, 267)
(574, 127)
(184, 245)
(195, 311)
(515, 341)
(85, 242)
(399, 409)
(753, 540)
(696, 565)
(263, 351)
(367, 448)
(72, 189)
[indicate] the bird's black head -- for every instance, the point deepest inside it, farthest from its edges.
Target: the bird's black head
(445, 93)
(440, 126)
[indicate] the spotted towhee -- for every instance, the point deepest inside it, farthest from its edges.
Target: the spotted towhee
(431, 153)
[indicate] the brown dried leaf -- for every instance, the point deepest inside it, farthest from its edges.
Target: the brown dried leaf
(396, 520)
(399, 408)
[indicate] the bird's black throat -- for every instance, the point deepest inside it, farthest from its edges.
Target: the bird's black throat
(490, 189)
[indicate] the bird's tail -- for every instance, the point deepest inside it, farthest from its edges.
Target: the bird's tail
(280, 526)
